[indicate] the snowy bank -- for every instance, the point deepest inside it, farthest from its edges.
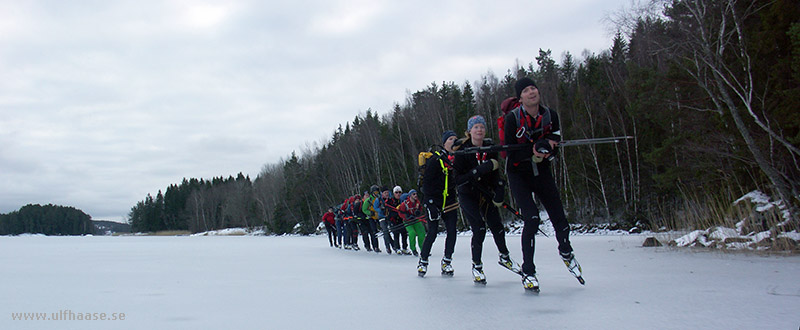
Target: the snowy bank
(233, 232)
(730, 239)
(767, 227)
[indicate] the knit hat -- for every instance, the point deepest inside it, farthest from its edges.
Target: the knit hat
(412, 191)
(477, 119)
(397, 189)
(522, 83)
(446, 135)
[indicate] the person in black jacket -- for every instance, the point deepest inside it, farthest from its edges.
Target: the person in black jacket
(438, 187)
(480, 191)
(529, 173)
(399, 233)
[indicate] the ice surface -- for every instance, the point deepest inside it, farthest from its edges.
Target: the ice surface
(252, 282)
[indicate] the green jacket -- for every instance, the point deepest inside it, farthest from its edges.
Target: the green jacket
(366, 207)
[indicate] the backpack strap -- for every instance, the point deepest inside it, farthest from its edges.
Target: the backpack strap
(527, 128)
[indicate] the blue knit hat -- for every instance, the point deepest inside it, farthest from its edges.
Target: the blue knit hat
(477, 119)
(446, 135)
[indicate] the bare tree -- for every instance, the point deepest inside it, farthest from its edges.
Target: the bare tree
(714, 50)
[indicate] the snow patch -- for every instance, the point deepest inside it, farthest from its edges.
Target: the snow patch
(762, 236)
(763, 203)
(233, 232)
(689, 238)
(755, 197)
(792, 234)
(727, 238)
(721, 233)
(31, 235)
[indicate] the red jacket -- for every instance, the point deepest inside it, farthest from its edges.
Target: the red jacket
(409, 210)
(328, 218)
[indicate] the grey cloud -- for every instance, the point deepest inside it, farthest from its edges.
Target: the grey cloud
(104, 102)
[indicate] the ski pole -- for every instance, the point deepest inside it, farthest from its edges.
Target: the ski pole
(399, 226)
(406, 223)
(565, 143)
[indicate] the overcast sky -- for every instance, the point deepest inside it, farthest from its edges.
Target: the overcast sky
(103, 102)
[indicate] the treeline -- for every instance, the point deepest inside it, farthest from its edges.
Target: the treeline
(709, 89)
(46, 219)
(199, 205)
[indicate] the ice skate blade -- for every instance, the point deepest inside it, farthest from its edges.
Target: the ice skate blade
(532, 291)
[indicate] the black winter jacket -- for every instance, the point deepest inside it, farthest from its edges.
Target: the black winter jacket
(474, 176)
(433, 182)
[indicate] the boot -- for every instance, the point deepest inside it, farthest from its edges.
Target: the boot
(530, 283)
(447, 268)
(477, 274)
(505, 261)
(573, 266)
(422, 268)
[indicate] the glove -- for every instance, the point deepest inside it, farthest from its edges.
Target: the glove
(499, 193)
(486, 167)
(433, 211)
(543, 146)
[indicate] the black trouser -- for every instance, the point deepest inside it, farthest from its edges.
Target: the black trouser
(366, 233)
(523, 184)
(476, 210)
(400, 236)
(331, 233)
(450, 219)
(352, 231)
(373, 232)
(387, 237)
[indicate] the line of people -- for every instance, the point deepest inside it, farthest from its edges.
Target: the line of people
(396, 216)
(471, 182)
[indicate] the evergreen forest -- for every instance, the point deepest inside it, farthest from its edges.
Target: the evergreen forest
(46, 219)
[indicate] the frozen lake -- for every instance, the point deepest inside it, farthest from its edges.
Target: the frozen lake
(257, 282)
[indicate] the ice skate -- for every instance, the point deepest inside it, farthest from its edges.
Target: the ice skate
(574, 267)
(508, 263)
(477, 274)
(422, 268)
(530, 283)
(447, 268)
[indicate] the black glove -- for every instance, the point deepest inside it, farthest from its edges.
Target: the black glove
(543, 146)
(484, 168)
(499, 193)
(433, 211)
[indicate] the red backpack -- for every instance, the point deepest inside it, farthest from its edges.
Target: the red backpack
(506, 106)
